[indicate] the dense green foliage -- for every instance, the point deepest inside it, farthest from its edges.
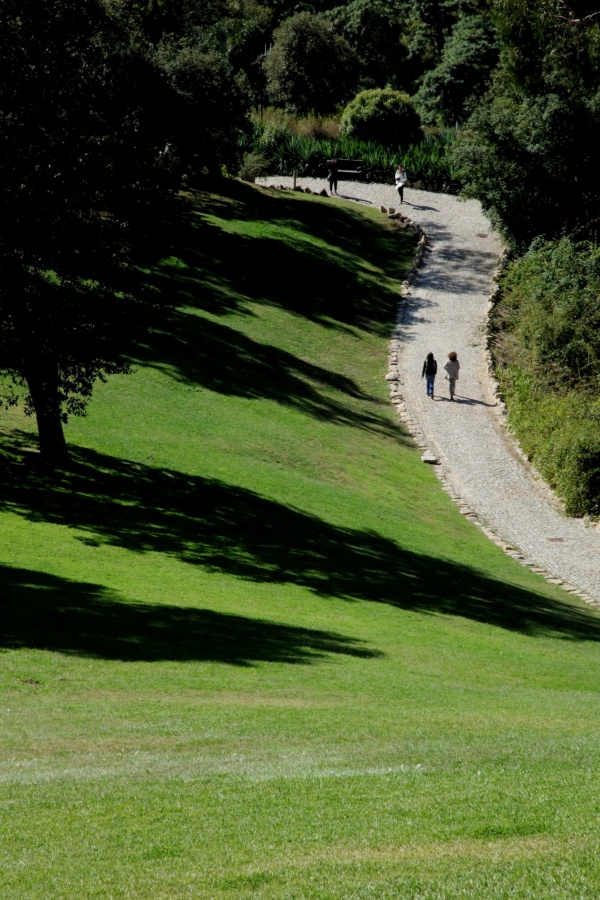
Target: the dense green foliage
(449, 90)
(529, 151)
(548, 355)
(205, 107)
(398, 41)
(308, 67)
(97, 127)
(383, 116)
(202, 53)
(249, 648)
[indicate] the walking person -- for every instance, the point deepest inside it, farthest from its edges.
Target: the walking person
(333, 175)
(452, 367)
(400, 178)
(429, 372)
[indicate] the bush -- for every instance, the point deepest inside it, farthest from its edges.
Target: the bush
(547, 351)
(381, 115)
(582, 477)
(253, 165)
(552, 297)
(309, 126)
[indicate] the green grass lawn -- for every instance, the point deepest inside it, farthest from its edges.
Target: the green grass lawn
(249, 647)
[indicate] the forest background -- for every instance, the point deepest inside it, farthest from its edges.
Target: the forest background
(109, 106)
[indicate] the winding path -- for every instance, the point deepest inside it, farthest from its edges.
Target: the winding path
(446, 309)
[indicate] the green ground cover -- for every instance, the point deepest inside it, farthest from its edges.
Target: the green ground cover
(547, 352)
(249, 647)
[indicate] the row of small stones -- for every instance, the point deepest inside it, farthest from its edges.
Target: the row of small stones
(393, 377)
(299, 189)
(391, 213)
(417, 185)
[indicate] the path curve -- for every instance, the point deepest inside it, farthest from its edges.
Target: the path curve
(446, 309)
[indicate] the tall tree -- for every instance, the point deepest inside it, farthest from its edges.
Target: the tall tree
(529, 152)
(375, 29)
(78, 151)
(462, 75)
(203, 52)
(309, 69)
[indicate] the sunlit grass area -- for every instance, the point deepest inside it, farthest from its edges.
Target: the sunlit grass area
(249, 647)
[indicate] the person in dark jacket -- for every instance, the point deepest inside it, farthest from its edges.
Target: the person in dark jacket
(333, 175)
(429, 372)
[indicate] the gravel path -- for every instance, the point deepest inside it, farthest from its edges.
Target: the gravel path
(446, 309)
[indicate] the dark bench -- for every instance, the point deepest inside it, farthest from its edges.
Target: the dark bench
(350, 169)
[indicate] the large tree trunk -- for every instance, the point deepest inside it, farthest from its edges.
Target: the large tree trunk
(41, 376)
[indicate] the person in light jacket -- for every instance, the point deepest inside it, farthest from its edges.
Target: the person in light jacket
(400, 178)
(452, 367)
(429, 372)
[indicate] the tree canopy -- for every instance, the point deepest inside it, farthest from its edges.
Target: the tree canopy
(103, 107)
(529, 150)
(309, 68)
(78, 152)
(462, 75)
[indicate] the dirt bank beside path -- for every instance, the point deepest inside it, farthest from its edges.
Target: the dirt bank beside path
(446, 309)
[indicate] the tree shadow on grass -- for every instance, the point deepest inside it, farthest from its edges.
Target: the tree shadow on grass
(229, 529)
(214, 356)
(365, 244)
(202, 267)
(44, 612)
(329, 265)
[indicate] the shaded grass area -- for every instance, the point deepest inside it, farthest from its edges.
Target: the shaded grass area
(328, 263)
(248, 648)
(233, 530)
(214, 356)
(48, 613)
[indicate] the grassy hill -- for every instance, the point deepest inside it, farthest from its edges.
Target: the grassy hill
(249, 647)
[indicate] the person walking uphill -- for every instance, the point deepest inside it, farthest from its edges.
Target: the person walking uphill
(429, 371)
(452, 367)
(400, 178)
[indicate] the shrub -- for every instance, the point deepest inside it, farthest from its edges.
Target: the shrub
(547, 350)
(253, 165)
(582, 477)
(309, 126)
(381, 115)
(279, 138)
(552, 297)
